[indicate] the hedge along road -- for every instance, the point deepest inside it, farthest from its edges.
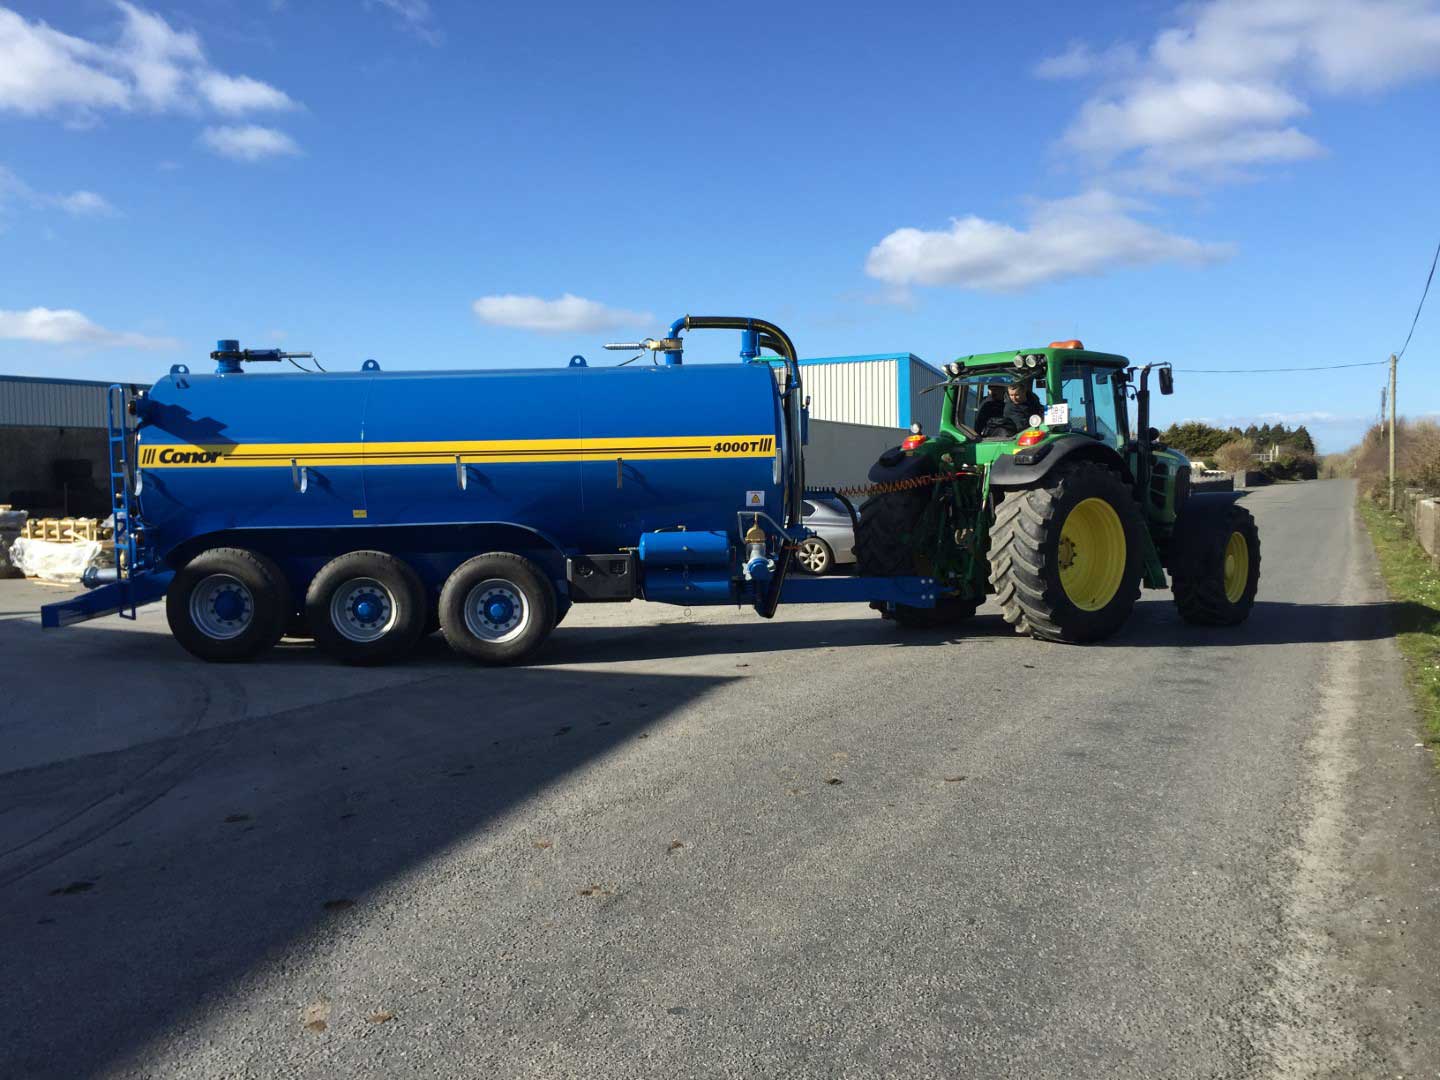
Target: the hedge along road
(725, 847)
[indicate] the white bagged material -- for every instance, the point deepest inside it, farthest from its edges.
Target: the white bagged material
(7, 565)
(49, 561)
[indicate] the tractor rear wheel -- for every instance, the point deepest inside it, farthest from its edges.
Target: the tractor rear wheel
(885, 547)
(1065, 557)
(1215, 566)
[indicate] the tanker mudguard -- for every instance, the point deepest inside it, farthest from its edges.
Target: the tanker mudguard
(1032, 464)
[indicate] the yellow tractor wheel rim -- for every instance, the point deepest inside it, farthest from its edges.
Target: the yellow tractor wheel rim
(1092, 554)
(1237, 567)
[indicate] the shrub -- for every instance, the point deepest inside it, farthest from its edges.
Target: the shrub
(1236, 455)
(1292, 465)
(1417, 458)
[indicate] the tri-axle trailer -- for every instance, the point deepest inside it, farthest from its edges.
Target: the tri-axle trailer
(366, 508)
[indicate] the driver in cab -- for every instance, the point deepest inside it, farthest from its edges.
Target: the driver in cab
(1021, 404)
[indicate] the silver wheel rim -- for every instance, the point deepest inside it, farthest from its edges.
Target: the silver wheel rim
(812, 556)
(221, 607)
(496, 611)
(363, 610)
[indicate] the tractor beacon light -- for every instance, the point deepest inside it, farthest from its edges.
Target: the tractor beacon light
(1073, 343)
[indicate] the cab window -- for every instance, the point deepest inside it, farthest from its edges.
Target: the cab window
(1091, 394)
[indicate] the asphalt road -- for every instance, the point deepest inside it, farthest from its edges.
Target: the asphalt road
(695, 845)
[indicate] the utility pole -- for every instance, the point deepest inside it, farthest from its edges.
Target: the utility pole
(1393, 362)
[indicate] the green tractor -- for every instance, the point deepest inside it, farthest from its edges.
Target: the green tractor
(1064, 513)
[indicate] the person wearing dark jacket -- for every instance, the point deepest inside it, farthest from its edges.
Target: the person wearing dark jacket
(992, 408)
(1021, 404)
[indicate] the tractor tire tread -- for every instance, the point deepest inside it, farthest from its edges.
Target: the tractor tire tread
(1197, 559)
(1023, 539)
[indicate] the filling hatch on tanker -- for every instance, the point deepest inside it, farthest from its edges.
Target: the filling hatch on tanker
(368, 508)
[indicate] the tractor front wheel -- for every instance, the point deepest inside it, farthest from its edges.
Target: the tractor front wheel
(1065, 557)
(1215, 566)
(886, 546)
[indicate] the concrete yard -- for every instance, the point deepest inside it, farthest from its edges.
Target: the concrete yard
(695, 844)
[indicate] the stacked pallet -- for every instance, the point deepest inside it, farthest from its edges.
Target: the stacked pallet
(60, 550)
(65, 530)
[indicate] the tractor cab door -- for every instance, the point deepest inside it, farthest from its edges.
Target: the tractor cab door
(1096, 401)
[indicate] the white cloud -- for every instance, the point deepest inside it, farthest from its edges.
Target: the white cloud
(568, 314)
(1083, 235)
(1224, 87)
(50, 326)
(1178, 113)
(1079, 60)
(248, 143)
(148, 66)
(42, 69)
(83, 203)
(415, 16)
(1211, 98)
(76, 203)
(235, 94)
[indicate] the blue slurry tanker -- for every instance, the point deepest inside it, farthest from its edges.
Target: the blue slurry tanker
(367, 508)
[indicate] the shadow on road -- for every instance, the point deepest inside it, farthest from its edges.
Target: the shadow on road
(191, 863)
(1152, 625)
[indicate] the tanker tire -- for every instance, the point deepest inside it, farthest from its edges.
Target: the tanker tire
(1197, 567)
(518, 583)
(269, 603)
(1025, 555)
(351, 641)
(882, 549)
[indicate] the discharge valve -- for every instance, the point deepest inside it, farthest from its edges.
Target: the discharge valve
(757, 561)
(228, 356)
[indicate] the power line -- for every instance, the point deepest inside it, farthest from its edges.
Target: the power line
(1268, 370)
(1424, 294)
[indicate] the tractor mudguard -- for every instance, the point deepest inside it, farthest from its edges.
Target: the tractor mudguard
(895, 464)
(1028, 466)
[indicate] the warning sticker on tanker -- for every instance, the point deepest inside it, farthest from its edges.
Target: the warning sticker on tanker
(754, 498)
(453, 452)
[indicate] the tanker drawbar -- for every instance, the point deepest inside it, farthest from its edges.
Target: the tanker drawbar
(363, 509)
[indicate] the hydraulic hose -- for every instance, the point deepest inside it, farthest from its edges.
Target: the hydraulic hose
(775, 339)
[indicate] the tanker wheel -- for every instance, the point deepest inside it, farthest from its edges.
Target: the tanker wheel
(366, 607)
(497, 608)
(228, 604)
(1065, 557)
(883, 548)
(1215, 566)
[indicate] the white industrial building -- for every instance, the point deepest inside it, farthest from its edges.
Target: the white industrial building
(861, 406)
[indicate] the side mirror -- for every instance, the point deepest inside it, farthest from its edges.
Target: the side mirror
(1167, 381)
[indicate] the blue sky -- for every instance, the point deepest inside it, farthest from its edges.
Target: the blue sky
(1219, 184)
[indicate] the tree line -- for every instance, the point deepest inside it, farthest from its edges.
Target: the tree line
(1234, 449)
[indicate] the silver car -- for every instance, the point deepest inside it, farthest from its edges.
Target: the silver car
(834, 541)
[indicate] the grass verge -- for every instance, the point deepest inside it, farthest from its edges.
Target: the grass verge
(1414, 586)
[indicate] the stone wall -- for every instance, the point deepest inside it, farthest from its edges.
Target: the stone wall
(1424, 514)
